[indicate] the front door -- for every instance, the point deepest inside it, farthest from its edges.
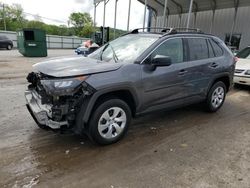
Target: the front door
(165, 83)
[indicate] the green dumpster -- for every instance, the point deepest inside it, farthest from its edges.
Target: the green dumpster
(32, 42)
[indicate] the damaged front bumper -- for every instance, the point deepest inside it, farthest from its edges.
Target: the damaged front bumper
(42, 113)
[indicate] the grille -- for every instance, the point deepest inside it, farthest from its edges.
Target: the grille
(238, 71)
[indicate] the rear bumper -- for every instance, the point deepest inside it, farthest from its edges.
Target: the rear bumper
(41, 112)
(242, 80)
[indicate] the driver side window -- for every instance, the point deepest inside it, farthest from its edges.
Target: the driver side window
(172, 48)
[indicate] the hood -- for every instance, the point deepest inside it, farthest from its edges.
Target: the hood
(74, 66)
(243, 64)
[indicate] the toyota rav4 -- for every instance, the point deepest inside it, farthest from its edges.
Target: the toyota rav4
(135, 74)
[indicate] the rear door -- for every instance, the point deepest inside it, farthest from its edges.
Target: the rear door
(200, 61)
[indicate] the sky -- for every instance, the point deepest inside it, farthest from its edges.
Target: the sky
(60, 10)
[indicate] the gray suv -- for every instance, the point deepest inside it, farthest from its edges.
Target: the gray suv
(135, 74)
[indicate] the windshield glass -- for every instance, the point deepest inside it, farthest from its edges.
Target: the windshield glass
(125, 48)
(245, 53)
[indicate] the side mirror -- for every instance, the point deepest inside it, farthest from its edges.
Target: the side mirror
(161, 61)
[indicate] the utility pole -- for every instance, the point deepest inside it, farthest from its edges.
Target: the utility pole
(4, 21)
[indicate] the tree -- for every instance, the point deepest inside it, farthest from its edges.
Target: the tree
(79, 21)
(87, 30)
(14, 17)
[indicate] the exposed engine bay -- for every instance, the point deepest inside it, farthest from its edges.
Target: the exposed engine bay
(55, 102)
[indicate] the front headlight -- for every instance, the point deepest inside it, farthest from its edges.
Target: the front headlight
(61, 87)
(247, 72)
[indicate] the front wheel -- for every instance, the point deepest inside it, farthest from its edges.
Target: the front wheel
(216, 97)
(109, 122)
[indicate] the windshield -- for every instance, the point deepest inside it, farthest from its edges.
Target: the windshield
(245, 53)
(125, 48)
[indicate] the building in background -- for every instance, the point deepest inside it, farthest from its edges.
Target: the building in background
(227, 19)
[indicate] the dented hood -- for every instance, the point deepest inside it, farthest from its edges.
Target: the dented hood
(74, 66)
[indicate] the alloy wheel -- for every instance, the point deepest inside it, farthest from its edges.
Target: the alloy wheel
(112, 122)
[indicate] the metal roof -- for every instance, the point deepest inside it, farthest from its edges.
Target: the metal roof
(182, 6)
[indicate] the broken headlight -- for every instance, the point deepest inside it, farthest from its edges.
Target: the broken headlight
(247, 72)
(60, 87)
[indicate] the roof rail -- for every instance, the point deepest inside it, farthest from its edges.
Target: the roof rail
(168, 30)
(163, 29)
(183, 30)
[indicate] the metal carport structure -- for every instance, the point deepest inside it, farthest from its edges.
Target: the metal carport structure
(219, 17)
(185, 11)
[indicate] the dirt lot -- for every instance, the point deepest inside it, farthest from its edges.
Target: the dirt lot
(183, 148)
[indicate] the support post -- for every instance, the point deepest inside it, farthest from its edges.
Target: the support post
(129, 6)
(165, 12)
(195, 17)
(104, 14)
(179, 24)
(115, 17)
(149, 22)
(95, 5)
(4, 21)
(233, 25)
(144, 17)
(189, 12)
(103, 24)
(212, 22)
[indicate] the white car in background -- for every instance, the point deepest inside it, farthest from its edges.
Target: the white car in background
(242, 69)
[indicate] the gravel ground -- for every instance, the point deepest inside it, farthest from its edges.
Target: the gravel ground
(182, 148)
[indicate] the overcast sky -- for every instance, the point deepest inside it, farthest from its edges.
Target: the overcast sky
(60, 10)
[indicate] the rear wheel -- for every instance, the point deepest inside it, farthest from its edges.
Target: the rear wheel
(216, 97)
(9, 47)
(109, 122)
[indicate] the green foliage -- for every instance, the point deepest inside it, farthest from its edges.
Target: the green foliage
(114, 33)
(82, 23)
(14, 17)
(87, 31)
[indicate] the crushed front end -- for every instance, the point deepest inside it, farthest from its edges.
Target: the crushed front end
(55, 102)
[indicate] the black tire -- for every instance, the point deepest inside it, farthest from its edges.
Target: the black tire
(210, 102)
(101, 108)
(9, 47)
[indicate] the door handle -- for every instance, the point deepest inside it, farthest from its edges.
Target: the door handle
(182, 72)
(213, 65)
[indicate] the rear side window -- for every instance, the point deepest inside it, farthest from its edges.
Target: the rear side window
(210, 49)
(217, 49)
(197, 49)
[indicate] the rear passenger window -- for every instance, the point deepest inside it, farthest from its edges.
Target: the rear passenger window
(197, 49)
(210, 49)
(217, 49)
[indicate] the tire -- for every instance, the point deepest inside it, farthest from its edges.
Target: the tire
(105, 127)
(9, 47)
(216, 97)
